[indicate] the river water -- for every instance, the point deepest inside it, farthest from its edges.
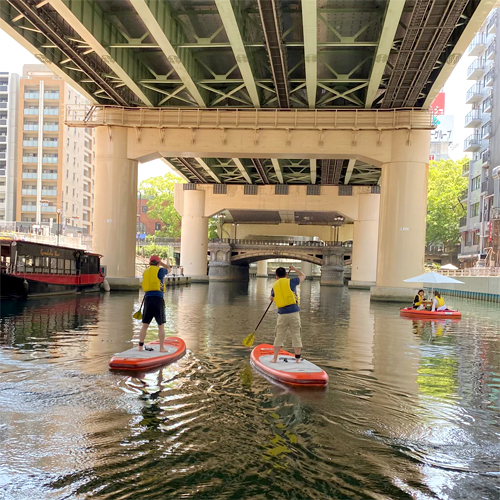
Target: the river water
(411, 410)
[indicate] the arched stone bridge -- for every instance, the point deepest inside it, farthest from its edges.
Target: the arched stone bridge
(230, 259)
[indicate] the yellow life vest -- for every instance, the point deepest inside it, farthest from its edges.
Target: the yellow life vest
(283, 295)
(440, 301)
(150, 280)
(418, 302)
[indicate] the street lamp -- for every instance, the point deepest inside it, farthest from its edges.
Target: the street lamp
(58, 224)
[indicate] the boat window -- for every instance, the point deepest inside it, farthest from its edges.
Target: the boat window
(28, 264)
(67, 266)
(73, 267)
(93, 265)
(38, 265)
(20, 263)
(60, 266)
(45, 265)
(53, 265)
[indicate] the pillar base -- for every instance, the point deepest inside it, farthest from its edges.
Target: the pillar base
(198, 279)
(361, 285)
(124, 284)
(309, 278)
(332, 276)
(262, 276)
(222, 271)
(392, 294)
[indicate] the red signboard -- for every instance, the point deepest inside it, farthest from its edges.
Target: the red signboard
(437, 106)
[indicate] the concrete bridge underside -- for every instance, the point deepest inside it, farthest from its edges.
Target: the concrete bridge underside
(299, 106)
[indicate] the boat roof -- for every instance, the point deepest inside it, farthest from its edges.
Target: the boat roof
(9, 240)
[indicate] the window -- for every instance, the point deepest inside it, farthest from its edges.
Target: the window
(66, 189)
(144, 209)
(157, 226)
(67, 174)
(474, 210)
(476, 183)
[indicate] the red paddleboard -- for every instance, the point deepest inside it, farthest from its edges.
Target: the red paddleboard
(286, 369)
(133, 359)
(409, 312)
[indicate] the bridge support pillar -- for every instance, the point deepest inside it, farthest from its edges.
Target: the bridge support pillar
(220, 267)
(115, 208)
(194, 236)
(364, 252)
(401, 236)
(306, 268)
(262, 269)
(332, 270)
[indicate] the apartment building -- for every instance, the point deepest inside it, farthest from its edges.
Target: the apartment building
(9, 88)
(483, 120)
(55, 167)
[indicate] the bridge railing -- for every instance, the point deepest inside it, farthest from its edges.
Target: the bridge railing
(295, 243)
(78, 115)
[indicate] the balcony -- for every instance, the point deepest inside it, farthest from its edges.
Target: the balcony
(30, 144)
(472, 143)
(487, 105)
(474, 94)
(485, 157)
(477, 45)
(473, 119)
(49, 192)
(50, 127)
(464, 195)
(30, 111)
(50, 159)
(484, 186)
(463, 222)
(486, 131)
(48, 208)
(29, 192)
(28, 208)
(51, 176)
(29, 175)
(465, 169)
(492, 23)
(51, 95)
(476, 70)
(50, 144)
(30, 159)
(31, 95)
(29, 127)
(50, 111)
(490, 51)
(488, 78)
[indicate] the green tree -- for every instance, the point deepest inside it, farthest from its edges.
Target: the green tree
(444, 210)
(160, 191)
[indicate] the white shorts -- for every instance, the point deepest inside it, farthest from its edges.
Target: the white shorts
(288, 323)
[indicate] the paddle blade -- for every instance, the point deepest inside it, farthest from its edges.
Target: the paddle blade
(137, 315)
(248, 340)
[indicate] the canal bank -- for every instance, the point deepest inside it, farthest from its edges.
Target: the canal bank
(475, 287)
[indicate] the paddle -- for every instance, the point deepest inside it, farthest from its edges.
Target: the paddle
(138, 314)
(248, 340)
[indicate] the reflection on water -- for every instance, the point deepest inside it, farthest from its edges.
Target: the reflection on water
(411, 411)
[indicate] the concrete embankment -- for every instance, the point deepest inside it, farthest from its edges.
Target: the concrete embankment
(132, 284)
(474, 287)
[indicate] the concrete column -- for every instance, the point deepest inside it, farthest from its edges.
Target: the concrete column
(401, 236)
(364, 251)
(307, 269)
(262, 269)
(194, 235)
(115, 203)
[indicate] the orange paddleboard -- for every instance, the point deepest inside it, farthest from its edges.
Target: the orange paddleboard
(133, 359)
(286, 369)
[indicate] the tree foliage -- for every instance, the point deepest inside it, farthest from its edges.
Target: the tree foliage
(444, 209)
(160, 191)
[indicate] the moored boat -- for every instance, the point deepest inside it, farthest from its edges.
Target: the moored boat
(33, 269)
(409, 312)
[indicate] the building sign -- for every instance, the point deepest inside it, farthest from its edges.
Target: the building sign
(444, 129)
(437, 106)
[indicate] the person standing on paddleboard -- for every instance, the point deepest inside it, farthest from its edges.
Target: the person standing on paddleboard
(284, 296)
(154, 304)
